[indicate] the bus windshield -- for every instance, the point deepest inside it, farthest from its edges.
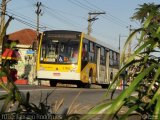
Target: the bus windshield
(64, 50)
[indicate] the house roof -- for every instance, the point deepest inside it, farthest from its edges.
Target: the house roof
(25, 36)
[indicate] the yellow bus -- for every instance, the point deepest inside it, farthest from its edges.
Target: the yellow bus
(73, 57)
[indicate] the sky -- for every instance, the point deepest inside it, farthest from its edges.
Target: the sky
(73, 15)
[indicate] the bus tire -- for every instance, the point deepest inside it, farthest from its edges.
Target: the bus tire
(88, 85)
(53, 83)
(104, 86)
(83, 85)
(79, 85)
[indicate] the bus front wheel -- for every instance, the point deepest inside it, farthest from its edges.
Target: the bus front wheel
(53, 83)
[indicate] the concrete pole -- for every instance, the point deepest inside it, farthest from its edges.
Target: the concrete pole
(130, 43)
(2, 24)
(38, 12)
(89, 24)
(3, 11)
(91, 19)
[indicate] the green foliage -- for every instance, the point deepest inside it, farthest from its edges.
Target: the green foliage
(144, 71)
(17, 104)
(145, 10)
(13, 96)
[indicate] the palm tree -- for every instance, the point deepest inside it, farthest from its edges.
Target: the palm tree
(145, 10)
(146, 76)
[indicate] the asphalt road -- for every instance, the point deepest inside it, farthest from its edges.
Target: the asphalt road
(80, 99)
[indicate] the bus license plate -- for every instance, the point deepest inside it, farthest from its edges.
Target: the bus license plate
(56, 74)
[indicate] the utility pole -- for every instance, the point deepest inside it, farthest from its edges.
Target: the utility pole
(3, 11)
(2, 26)
(124, 73)
(120, 36)
(38, 13)
(129, 47)
(119, 47)
(91, 19)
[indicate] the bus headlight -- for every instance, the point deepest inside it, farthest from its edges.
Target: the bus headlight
(74, 68)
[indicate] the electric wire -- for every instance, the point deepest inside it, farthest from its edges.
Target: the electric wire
(73, 2)
(42, 25)
(108, 17)
(65, 13)
(81, 4)
(19, 18)
(23, 7)
(23, 20)
(116, 18)
(60, 17)
(30, 2)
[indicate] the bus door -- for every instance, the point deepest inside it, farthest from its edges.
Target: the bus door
(98, 63)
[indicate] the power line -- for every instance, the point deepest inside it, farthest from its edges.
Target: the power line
(64, 12)
(30, 1)
(60, 17)
(75, 3)
(19, 16)
(43, 26)
(22, 21)
(23, 7)
(51, 14)
(26, 23)
(116, 18)
(87, 7)
(108, 16)
(111, 20)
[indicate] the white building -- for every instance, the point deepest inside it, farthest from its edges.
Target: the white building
(26, 65)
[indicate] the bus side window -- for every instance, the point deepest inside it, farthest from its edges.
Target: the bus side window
(111, 76)
(91, 52)
(84, 52)
(111, 58)
(103, 56)
(84, 55)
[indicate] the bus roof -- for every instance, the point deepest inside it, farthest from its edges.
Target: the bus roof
(101, 43)
(62, 31)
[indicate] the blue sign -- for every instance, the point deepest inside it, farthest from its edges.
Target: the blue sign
(30, 52)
